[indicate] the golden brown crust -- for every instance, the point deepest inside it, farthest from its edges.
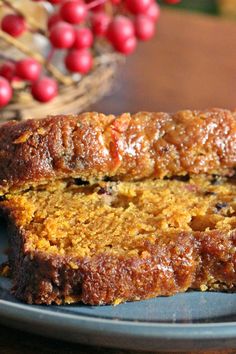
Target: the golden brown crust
(93, 146)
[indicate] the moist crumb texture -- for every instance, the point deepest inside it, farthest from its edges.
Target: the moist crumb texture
(93, 146)
(116, 241)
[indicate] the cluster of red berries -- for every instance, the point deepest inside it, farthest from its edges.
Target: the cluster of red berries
(74, 27)
(43, 88)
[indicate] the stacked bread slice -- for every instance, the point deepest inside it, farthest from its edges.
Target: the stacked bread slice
(104, 209)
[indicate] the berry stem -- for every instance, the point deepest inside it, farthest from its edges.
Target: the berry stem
(95, 3)
(25, 49)
(50, 55)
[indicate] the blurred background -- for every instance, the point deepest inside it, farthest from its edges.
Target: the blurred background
(213, 7)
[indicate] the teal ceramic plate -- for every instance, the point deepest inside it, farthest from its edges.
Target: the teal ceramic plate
(185, 321)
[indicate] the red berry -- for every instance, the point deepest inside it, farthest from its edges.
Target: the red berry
(80, 61)
(127, 46)
(73, 11)
(44, 90)
(14, 25)
(119, 30)
(98, 8)
(5, 92)
(62, 35)
(144, 27)
(83, 38)
(153, 11)
(8, 70)
(55, 2)
(138, 6)
(172, 2)
(116, 2)
(100, 22)
(28, 69)
(53, 19)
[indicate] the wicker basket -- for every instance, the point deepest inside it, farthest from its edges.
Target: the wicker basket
(76, 92)
(72, 98)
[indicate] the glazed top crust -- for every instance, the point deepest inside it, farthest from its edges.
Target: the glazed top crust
(93, 146)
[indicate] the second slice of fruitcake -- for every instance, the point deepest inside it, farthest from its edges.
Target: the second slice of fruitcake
(118, 241)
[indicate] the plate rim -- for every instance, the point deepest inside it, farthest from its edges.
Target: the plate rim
(25, 309)
(117, 333)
